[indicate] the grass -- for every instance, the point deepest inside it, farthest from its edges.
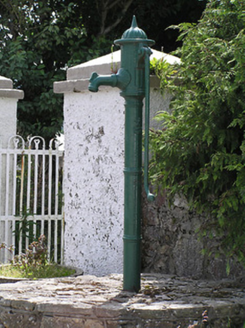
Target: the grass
(34, 263)
(46, 271)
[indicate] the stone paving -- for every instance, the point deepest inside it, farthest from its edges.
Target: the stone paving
(98, 302)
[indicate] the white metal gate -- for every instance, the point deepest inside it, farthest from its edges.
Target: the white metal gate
(31, 192)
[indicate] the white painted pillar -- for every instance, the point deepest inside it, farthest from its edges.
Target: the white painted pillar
(8, 120)
(8, 109)
(93, 180)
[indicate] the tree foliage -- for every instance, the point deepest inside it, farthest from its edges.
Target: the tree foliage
(112, 18)
(30, 54)
(200, 152)
(156, 16)
(40, 39)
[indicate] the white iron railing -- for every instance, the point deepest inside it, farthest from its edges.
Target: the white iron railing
(31, 192)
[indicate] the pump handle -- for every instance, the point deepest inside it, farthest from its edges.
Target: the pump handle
(147, 53)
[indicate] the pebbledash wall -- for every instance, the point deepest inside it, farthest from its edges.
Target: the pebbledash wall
(93, 167)
(94, 182)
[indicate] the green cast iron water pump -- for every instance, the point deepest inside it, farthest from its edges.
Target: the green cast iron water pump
(133, 80)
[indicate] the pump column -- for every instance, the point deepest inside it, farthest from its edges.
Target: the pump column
(132, 60)
(132, 194)
(131, 80)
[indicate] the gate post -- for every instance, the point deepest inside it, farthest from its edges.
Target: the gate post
(8, 120)
(8, 109)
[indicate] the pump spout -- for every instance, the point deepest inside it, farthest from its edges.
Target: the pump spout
(97, 80)
(120, 80)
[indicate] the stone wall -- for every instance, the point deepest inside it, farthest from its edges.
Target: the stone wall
(171, 244)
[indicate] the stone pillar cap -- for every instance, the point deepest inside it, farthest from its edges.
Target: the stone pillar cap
(7, 91)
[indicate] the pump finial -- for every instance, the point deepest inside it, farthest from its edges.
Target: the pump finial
(134, 22)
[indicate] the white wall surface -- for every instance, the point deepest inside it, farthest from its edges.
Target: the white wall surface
(93, 178)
